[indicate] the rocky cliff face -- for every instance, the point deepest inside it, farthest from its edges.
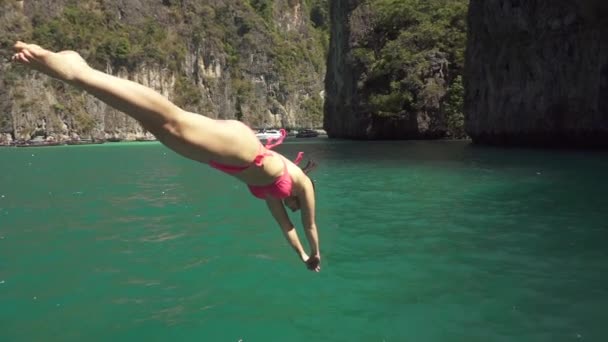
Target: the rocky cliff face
(341, 106)
(379, 83)
(226, 65)
(537, 72)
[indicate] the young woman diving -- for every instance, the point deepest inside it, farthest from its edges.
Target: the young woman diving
(227, 145)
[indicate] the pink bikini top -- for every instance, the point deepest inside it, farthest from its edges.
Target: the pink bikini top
(280, 187)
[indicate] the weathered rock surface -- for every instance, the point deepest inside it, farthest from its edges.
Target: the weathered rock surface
(537, 72)
(240, 81)
(347, 113)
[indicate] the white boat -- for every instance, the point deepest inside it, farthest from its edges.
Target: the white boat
(264, 135)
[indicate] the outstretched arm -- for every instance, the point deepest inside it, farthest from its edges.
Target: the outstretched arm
(280, 215)
(306, 199)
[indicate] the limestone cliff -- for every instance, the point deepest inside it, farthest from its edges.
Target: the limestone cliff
(261, 62)
(537, 72)
(390, 68)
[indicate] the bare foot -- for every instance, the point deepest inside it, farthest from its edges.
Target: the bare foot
(64, 65)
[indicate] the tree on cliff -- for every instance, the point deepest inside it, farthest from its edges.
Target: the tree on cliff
(413, 57)
(227, 58)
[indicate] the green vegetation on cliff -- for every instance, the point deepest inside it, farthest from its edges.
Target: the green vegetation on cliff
(282, 43)
(413, 58)
(246, 59)
(103, 39)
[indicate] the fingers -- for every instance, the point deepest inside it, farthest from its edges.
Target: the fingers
(314, 264)
(315, 269)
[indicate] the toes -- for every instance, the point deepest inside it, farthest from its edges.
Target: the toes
(19, 45)
(28, 54)
(20, 57)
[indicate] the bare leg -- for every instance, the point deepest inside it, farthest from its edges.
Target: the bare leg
(194, 136)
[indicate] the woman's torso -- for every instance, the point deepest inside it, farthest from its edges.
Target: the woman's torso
(243, 151)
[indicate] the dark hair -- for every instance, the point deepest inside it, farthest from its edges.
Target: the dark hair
(310, 166)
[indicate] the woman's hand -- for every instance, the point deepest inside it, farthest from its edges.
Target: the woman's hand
(313, 263)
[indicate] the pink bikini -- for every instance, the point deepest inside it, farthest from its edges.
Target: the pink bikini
(281, 187)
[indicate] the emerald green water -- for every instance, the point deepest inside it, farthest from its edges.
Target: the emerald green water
(421, 241)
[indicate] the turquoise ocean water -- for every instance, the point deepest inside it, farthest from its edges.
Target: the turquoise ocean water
(421, 241)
